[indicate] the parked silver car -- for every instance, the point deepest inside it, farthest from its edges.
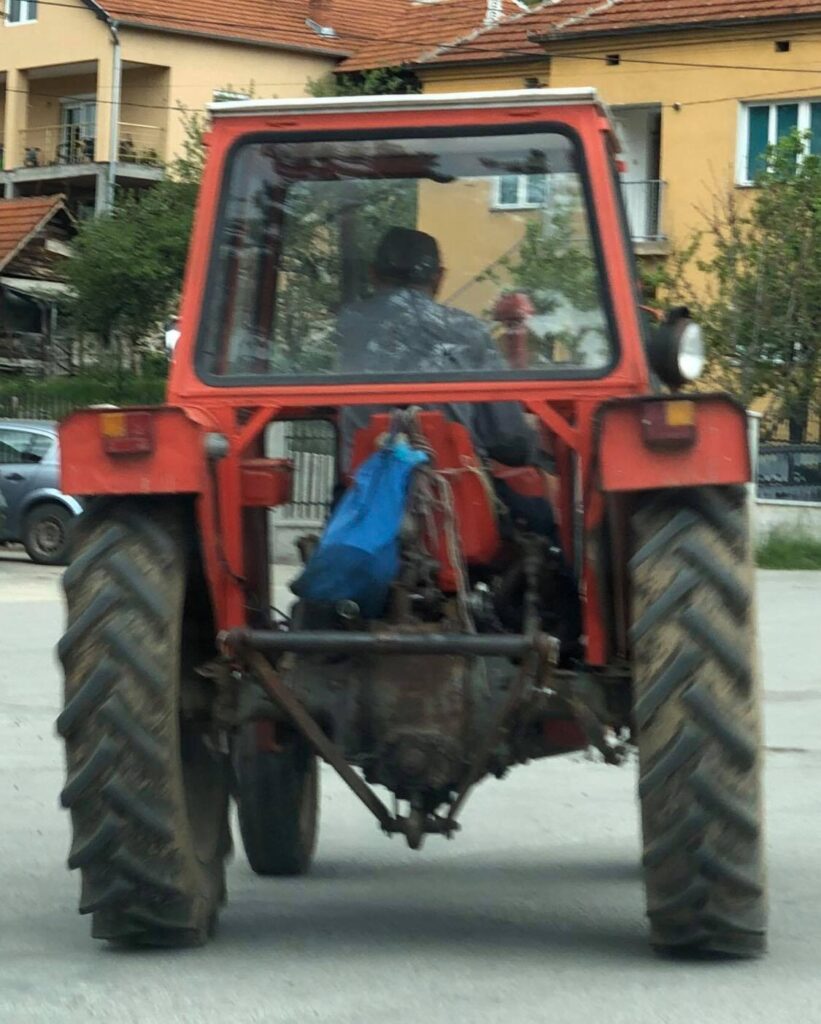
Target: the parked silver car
(37, 513)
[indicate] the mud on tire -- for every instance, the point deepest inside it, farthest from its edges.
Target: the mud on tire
(696, 712)
(147, 789)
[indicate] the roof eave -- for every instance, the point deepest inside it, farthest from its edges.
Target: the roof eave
(98, 11)
(315, 51)
(659, 28)
(505, 58)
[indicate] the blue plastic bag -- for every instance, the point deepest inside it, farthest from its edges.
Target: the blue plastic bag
(357, 557)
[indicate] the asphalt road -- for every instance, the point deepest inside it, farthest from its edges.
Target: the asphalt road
(534, 913)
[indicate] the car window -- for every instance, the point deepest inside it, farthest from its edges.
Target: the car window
(40, 446)
(22, 445)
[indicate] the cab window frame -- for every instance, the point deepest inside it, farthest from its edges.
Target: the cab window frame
(211, 296)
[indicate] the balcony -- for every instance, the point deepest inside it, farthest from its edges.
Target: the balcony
(643, 202)
(67, 146)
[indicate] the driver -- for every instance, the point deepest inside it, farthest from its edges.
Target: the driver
(402, 328)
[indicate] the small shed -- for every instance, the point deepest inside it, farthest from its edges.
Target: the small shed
(35, 240)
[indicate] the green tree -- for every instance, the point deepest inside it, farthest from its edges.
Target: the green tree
(377, 82)
(126, 270)
(555, 265)
(127, 267)
(762, 313)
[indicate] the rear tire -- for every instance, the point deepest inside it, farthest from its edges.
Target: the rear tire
(697, 718)
(147, 788)
(278, 803)
(46, 533)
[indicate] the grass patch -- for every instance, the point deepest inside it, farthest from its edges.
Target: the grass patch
(783, 549)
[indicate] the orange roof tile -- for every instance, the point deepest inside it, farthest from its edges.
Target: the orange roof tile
(428, 28)
(287, 23)
(567, 19)
(19, 218)
(582, 17)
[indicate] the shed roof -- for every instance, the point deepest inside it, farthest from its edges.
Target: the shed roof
(21, 219)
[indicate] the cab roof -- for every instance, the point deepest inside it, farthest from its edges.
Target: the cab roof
(411, 101)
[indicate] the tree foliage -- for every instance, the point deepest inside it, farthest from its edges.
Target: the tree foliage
(554, 264)
(762, 313)
(127, 267)
(365, 83)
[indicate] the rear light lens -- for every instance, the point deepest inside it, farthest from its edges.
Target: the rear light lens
(669, 424)
(127, 433)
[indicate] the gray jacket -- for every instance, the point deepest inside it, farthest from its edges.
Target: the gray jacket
(404, 330)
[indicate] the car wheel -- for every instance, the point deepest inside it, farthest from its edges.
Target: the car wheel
(46, 534)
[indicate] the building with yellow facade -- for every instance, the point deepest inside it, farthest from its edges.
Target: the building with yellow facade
(90, 91)
(698, 89)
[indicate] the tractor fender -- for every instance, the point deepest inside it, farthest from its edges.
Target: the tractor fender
(662, 441)
(173, 460)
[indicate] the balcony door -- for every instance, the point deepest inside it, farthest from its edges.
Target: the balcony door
(78, 130)
(640, 133)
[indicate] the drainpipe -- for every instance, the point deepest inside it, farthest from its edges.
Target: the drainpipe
(114, 129)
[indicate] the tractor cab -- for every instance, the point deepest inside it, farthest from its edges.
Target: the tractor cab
(414, 383)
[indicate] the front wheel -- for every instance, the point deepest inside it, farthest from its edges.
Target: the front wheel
(278, 800)
(697, 717)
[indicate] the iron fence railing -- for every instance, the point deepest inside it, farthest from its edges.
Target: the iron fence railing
(312, 446)
(34, 407)
(789, 472)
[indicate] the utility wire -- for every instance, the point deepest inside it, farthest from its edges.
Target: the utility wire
(467, 46)
(462, 47)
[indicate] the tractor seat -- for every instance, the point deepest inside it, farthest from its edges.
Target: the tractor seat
(474, 502)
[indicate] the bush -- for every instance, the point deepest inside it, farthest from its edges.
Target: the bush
(783, 549)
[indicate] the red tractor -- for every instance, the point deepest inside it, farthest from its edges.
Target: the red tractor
(413, 274)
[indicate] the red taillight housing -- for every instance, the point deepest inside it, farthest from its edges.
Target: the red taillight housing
(670, 423)
(127, 433)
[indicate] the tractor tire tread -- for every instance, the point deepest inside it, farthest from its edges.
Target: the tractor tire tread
(143, 880)
(697, 716)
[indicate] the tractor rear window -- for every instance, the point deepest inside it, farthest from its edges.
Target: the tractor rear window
(405, 258)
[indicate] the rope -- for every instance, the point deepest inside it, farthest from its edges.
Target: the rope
(436, 493)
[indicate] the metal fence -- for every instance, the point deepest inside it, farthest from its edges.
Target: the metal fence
(312, 446)
(34, 407)
(789, 472)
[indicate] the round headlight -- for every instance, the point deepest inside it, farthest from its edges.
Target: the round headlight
(691, 356)
(676, 350)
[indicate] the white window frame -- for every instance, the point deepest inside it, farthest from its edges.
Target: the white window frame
(521, 194)
(28, 13)
(743, 143)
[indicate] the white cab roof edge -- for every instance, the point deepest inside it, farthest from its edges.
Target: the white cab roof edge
(409, 101)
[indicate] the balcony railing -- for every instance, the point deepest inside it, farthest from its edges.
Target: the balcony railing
(56, 145)
(643, 202)
(52, 145)
(141, 144)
